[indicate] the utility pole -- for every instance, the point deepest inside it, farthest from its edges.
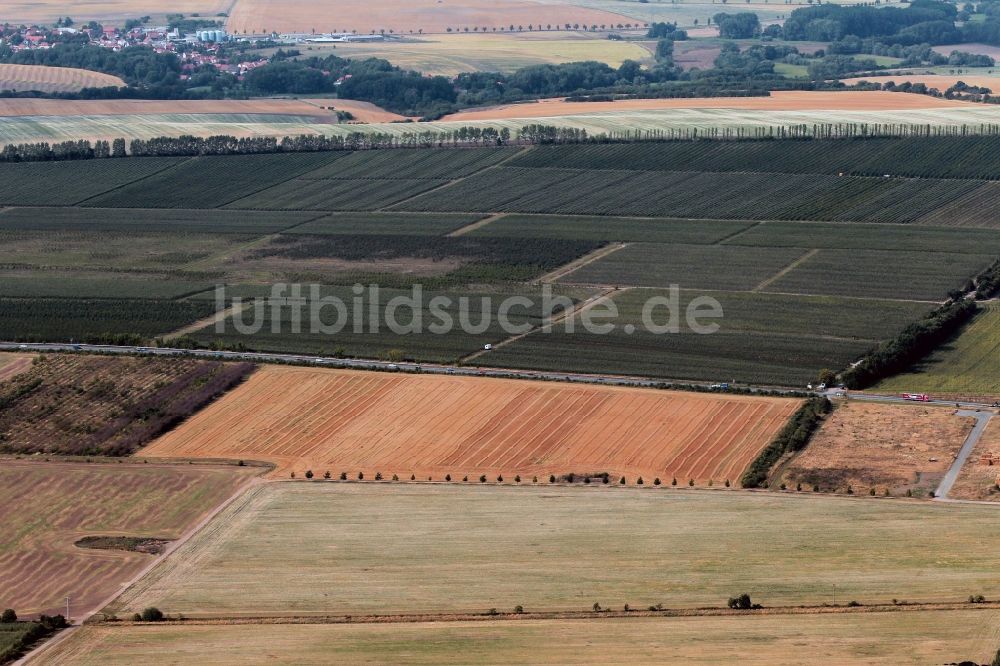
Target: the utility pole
(834, 594)
(67, 610)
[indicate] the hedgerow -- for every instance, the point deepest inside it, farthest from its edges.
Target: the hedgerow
(793, 437)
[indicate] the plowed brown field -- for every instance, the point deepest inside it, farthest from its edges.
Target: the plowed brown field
(46, 507)
(341, 421)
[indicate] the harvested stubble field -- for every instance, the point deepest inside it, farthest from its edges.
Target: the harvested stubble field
(342, 421)
(885, 447)
(301, 548)
(452, 54)
(24, 78)
(776, 101)
(12, 365)
(855, 638)
(429, 16)
(44, 12)
(980, 476)
(97, 405)
(47, 507)
(967, 366)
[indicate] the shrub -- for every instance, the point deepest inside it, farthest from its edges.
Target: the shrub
(10, 617)
(656, 481)
(798, 487)
(850, 491)
(378, 476)
(493, 611)
(517, 479)
(571, 478)
(293, 475)
(586, 480)
(309, 474)
(627, 608)
(977, 599)
(465, 478)
(343, 476)
(853, 604)
(872, 492)
(413, 477)
(674, 482)
(395, 477)
(137, 617)
(152, 614)
(534, 479)
(639, 481)
(519, 609)
(326, 475)
(596, 607)
(783, 487)
(605, 479)
(691, 482)
(361, 476)
(741, 602)
(482, 478)
(727, 483)
(499, 478)
(552, 478)
(621, 481)
(447, 477)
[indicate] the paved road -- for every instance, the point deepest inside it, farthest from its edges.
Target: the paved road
(982, 420)
(366, 364)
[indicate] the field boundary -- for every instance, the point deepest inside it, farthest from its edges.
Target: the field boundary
(479, 224)
(786, 270)
(580, 262)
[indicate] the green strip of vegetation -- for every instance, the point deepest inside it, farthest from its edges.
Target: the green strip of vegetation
(988, 282)
(915, 342)
(793, 437)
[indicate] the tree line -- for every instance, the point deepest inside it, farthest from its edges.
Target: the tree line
(793, 437)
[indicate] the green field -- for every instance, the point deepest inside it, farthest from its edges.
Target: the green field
(968, 365)
(328, 548)
(763, 339)
(397, 217)
(856, 638)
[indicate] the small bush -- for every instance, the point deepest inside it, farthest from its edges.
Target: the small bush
(499, 478)
(447, 477)
(673, 482)
(152, 614)
(552, 478)
(798, 487)
(853, 604)
(872, 492)
(293, 475)
(395, 477)
(361, 476)
(465, 478)
(413, 477)
(534, 479)
(519, 609)
(691, 482)
(378, 476)
(482, 478)
(10, 617)
(596, 607)
(639, 481)
(728, 484)
(656, 481)
(621, 481)
(309, 474)
(517, 479)
(850, 491)
(326, 475)
(343, 476)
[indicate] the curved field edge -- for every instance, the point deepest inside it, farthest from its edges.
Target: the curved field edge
(355, 422)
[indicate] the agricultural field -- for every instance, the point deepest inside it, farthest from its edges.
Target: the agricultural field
(47, 507)
(345, 333)
(453, 54)
(31, 106)
(301, 548)
(105, 319)
(426, 16)
(12, 365)
(980, 476)
(46, 11)
(967, 366)
(856, 638)
(96, 405)
(488, 220)
(25, 78)
(769, 339)
(317, 419)
(894, 448)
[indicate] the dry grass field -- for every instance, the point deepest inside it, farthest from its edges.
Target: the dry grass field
(855, 638)
(12, 364)
(113, 11)
(450, 55)
(46, 507)
(980, 476)
(343, 421)
(301, 548)
(364, 112)
(429, 16)
(24, 78)
(867, 445)
(777, 101)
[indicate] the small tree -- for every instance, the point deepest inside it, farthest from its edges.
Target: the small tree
(413, 477)
(517, 479)
(596, 607)
(850, 490)
(674, 481)
(361, 476)
(482, 478)
(499, 478)
(465, 478)
(378, 476)
(798, 487)
(552, 478)
(621, 481)
(326, 475)
(639, 481)
(534, 479)
(8, 617)
(293, 475)
(152, 614)
(741, 602)
(727, 483)
(309, 474)
(343, 476)
(447, 477)
(519, 609)
(656, 481)
(395, 477)
(691, 482)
